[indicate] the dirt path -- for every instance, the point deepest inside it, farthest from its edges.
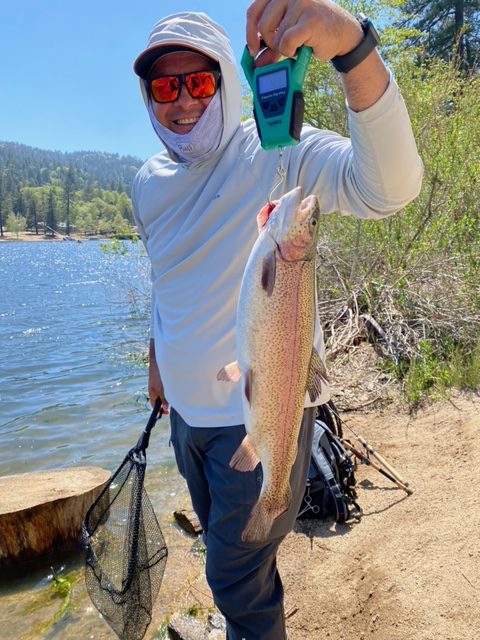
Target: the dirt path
(410, 570)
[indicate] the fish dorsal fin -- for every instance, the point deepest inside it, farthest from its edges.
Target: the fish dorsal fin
(245, 457)
(229, 373)
(269, 267)
(317, 376)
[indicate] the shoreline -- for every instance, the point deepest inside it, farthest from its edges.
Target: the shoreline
(26, 236)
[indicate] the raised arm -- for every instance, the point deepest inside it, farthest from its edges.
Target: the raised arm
(285, 25)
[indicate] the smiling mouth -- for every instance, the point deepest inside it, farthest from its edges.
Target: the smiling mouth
(186, 121)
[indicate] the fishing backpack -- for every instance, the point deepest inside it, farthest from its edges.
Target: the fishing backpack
(330, 487)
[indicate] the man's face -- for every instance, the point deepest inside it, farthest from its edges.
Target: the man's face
(183, 114)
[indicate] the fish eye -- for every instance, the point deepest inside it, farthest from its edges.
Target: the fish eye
(314, 223)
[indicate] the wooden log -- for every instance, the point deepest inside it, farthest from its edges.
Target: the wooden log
(43, 510)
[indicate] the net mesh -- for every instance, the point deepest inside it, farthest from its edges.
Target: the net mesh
(126, 552)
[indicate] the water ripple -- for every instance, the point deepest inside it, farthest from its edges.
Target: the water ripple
(70, 390)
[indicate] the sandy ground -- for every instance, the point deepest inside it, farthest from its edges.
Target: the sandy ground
(28, 236)
(410, 570)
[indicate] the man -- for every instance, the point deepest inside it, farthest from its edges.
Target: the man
(196, 205)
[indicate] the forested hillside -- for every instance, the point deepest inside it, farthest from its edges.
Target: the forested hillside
(84, 191)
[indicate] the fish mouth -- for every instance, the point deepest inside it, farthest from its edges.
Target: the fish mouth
(295, 227)
(290, 201)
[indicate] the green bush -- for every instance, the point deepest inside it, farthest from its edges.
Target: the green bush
(416, 274)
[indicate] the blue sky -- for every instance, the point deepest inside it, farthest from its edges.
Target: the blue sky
(66, 79)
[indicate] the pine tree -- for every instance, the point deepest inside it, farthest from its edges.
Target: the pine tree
(51, 216)
(33, 214)
(68, 189)
(449, 28)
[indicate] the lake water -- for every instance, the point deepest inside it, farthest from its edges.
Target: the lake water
(73, 329)
(73, 390)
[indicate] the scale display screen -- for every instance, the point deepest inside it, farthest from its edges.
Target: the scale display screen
(272, 81)
(278, 102)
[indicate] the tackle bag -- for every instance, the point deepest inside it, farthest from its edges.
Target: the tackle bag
(330, 487)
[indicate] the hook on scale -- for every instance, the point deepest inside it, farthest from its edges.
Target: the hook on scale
(281, 174)
(278, 103)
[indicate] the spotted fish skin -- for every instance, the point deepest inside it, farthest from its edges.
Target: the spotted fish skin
(276, 363)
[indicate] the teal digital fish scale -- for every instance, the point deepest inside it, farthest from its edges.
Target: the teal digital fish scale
(278, 102)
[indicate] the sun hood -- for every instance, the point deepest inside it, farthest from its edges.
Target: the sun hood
(198, 31)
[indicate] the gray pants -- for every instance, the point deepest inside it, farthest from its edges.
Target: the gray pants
(243, 576)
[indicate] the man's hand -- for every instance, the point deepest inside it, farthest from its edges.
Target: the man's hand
(285, 25)
(155, 385)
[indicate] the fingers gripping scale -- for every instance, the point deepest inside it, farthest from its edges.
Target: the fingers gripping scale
(278, 103)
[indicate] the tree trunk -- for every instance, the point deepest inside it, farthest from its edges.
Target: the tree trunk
(45, 510)
(459, 35)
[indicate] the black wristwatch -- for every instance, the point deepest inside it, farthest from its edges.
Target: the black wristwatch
(349, 61)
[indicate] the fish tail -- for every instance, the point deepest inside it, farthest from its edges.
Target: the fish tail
(263, 515)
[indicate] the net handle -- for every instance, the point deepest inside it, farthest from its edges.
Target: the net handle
(156, 414)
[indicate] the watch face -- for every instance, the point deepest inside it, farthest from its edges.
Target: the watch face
(368, 27)
(374, 32)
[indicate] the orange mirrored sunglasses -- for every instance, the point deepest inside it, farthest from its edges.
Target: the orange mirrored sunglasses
(200, 84)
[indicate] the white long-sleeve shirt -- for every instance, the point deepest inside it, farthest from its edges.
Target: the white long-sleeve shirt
(198, 223)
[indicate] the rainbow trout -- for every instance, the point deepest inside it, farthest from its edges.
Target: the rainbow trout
(277, 362)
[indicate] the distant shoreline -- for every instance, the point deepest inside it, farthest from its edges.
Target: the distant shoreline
(27, 236)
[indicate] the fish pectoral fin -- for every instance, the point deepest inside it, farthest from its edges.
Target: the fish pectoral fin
(317, 376)
(245, 457)
(269, 268)
(229, 373)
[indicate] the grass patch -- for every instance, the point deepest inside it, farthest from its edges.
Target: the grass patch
(465, 369)
(162, 631)
(436, 370)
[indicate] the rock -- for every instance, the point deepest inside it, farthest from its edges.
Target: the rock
(217, 621)
(183, 627)
(189, 521)
(39, 511)
(186, 627)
